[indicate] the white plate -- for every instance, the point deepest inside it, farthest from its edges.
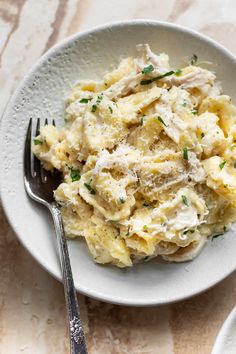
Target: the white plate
(41, 94)
(226, 340)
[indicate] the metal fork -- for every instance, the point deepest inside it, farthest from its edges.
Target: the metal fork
(39, 185)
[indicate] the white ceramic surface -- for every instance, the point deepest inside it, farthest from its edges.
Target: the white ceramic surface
(41, 94)
(226, 340)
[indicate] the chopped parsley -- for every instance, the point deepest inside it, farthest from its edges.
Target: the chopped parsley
(221, 165)
(99, 99)
(162, 121)
(38, 142)
(141, 121)
(127, 233)
(88, 186)
(110, 109)
(193, 59)
(185, 153)
(148, 69)
(74, 174)
(202, 135)
(122, 200)
(85, 100)
(145, 227)
(184, 200)
(147, 82)
(178, 72)
(194, 111)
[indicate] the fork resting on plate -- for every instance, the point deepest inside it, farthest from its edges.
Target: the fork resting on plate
(39, 185)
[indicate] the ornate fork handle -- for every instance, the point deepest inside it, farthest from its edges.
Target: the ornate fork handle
(77, 339)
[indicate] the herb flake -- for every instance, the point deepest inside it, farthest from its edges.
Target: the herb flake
(184, 200)
(99, 99)
(202, 135)
(74, 174)
(221, 165)
(146, 82)
(178, 72)
(185, 153)
(88, 186)
(85, 100)
(122, 200)
(110, 109)
(194, 112)
(148, 69)
(38, 142)
(162, 121)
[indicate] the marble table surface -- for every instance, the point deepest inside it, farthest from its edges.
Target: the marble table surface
(32, 308)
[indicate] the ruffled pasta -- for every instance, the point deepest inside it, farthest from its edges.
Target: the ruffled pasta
(148, 161)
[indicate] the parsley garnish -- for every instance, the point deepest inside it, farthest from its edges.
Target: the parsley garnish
(88, 186)
(148, 69)
(110, 109)
(162, 121)
(127, 233)
(221, 165)
(74, 174)
(122, 200)
(185, 153)
(94, 106)
(194, 111)
(184, 200)
(85, 100)
(147, 82)
(145, 227)
(37, 142)
(141, 120)
(193, 59)
(178, 72)
(202, 135)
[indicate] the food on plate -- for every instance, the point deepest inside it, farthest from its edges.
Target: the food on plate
(148, 160)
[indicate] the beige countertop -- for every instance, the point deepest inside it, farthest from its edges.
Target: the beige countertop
(32, 309)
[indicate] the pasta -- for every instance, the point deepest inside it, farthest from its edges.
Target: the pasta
(148, 161)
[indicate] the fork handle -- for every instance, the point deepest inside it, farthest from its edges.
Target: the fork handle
(77, 338)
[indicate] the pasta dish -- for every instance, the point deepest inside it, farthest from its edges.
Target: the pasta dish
(148, 160)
